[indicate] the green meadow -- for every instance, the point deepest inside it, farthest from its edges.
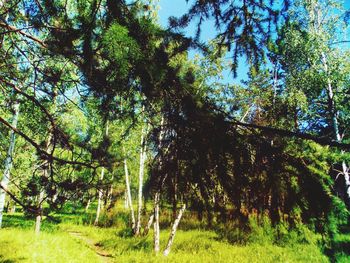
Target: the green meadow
(70, 237)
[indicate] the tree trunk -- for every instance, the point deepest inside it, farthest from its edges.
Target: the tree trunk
(174, 205)
(316, 19)
(141, 176)
(42, 193)
(39, 214)
(128, 193)
(87, 205)
(156, 229)
(100, 190)
(334, 114)
(100, 196)
(149, 224)
(8, 161)
(156, 222)
(110, 193)
(126, 203)
(173, 230)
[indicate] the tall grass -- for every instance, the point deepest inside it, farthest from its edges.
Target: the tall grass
(258, 241)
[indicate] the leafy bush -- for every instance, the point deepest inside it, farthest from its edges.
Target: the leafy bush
(261, 230)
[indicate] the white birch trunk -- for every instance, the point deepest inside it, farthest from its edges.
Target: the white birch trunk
(335, 124)
(87, 205)
(149, 224)
(42, 193)
(128, 194)
(41, 196)
(316, 17)
(156, 229)
(8, 161)
(100, 196)
(141, 176)
(39, 215)
(126, 204)
(100, 191)
(173, 230)
(110, 192)
(128, 198)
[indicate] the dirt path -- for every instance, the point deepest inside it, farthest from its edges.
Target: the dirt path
(102, 254)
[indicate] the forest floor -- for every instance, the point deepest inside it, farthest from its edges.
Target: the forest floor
(67, 238)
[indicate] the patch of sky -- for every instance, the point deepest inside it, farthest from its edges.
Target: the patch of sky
(176, 8)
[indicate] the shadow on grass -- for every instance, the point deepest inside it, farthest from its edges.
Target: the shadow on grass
(18, 221)
(13, 260)
(21, 221)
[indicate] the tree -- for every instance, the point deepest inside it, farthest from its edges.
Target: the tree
(8, 161)
(318, 70)
(201, 151)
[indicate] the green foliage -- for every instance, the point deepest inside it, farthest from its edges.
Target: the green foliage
(122, 50)
(261, 230)
(88, 64)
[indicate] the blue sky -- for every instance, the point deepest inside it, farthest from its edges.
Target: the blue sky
(178, 7)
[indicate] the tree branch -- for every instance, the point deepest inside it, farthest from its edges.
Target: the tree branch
(286, 133)
(16, 30)
(43, 154)
(14, 198)
(34, 100)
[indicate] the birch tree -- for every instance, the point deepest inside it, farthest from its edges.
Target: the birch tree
(9, 160)
(100, 189)
(128, 192)
(317, 18)
(143, 148)
(317, 69)
(46, 164)
(173, 230)
(156, 229)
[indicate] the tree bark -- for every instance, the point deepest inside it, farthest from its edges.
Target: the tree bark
(100, 196)
(156, 229)
(149, 224)
(334, 114)
(109, 198)
(39, 214)
(141, 176)
(156, 222)
(173, 230)
(8, 161)
(87, 205)
(42, 193)
(174, 208)
(100, 191)
(128, 193)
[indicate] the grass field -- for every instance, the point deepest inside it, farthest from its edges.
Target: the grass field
(72, 240)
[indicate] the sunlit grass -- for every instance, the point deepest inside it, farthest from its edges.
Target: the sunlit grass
(56, 244)
(22, 245)
(195, 246)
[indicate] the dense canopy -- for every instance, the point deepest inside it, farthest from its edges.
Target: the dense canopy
(94, 92)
